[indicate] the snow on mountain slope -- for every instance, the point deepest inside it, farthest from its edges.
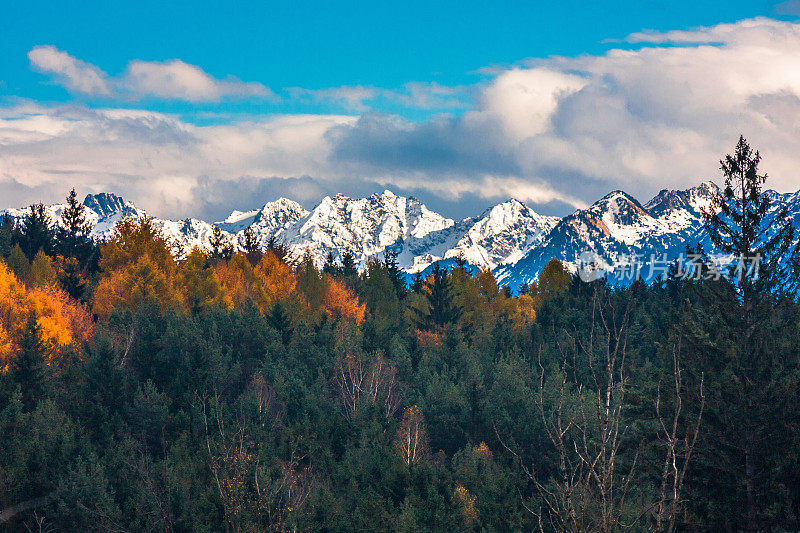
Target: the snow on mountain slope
(618, 228)
(502, 234)
(266, 222)
(104, 210)
(364, 227)
(109, 209)
(510, 238)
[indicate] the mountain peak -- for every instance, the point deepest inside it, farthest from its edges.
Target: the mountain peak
(105, 204)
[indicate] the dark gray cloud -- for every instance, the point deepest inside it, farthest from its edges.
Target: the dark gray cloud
(442, 145)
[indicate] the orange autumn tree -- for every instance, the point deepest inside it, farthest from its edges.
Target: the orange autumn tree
(61, 321)
(339, 301)
(239, 281)
(137, 264)
(270, 281)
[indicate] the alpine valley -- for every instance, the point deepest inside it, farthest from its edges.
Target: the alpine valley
(510, 238)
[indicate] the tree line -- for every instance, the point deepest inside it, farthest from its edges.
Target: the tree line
(239, 391)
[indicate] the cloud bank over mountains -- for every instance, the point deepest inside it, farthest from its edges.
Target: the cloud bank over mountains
(657, 110)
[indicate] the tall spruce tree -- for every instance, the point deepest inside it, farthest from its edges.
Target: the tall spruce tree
(36, 232)
(278, 248)
(394, 271)
(72, 235)
(220, 248)
(6, 235)
(740, 226)
(441, 307)
(252, 248)
(330, 266)
(279, 319)
(736, 334)
(349, 269)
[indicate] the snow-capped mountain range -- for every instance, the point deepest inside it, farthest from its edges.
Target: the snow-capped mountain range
(510, 238)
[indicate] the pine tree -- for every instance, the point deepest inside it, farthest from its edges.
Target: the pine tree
(72, 236)
(396, 274)
(36, 232)
(278, 249)
(18, 263)
(417, 283)
(330, 266)
(739, 227)
(6, 235)
(28, 369)
(71, 279)
(750, 371)
(279, 319)
(252, 248)
(349, 265)
(220, 248)
(441, 308)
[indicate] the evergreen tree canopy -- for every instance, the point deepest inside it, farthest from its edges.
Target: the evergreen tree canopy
(740, 227)
(220, 247)
(29, 367)
(72, 235)
(441, 307)
(35, 232)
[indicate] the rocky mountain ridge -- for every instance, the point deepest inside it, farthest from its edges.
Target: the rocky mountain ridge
(510, 238)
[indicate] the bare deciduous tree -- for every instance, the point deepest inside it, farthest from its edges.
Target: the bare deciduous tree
(411, 440)
(678, 448)
(357, 379)
(581, 404)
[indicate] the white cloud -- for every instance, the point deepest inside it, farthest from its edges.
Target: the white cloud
(182, 81)
(524, 100)
(172, 79)
(152, 158)
(563, 130)
(74, 74)
(658, 116)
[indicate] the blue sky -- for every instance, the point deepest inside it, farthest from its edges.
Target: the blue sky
(316, 45)
(461, 103)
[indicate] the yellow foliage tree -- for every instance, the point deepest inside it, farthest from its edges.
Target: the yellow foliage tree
(466, 503)
(137, 264)
(276, 277)
(62, 321)
(199, 283)
(239, 281)
(487, 284)
(41, 273)
(524, 310)
(554, 278)
(132, 240)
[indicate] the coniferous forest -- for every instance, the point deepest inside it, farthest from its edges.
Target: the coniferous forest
(241, 391)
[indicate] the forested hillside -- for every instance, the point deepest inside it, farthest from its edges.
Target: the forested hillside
(241, 391)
